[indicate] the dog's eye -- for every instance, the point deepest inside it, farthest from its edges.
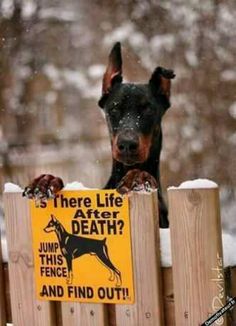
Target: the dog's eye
(115, 113)
(147, 111)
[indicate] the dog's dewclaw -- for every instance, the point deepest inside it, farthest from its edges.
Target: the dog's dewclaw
(27, 193)
(147, 186)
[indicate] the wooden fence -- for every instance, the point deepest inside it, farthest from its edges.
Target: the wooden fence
(195, 292)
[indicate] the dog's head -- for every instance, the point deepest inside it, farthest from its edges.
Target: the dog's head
(133, 111)
(52, 224)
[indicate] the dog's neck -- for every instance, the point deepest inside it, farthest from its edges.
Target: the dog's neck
(61, 233)
(151, 165)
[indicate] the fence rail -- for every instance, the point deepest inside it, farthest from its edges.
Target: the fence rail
(199, 284)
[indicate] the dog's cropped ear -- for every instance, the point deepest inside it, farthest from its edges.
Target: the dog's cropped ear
(53, 218)
(160, 83)
(113, 72)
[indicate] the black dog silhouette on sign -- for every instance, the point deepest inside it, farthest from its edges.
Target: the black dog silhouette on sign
(73, 246)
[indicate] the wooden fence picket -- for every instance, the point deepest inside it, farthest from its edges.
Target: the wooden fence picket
(198, 270)
(26, 310)
(148, 307)
(2, 290)
(81, 314)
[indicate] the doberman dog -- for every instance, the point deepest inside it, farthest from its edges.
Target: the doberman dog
(133, 114)
(75, 246)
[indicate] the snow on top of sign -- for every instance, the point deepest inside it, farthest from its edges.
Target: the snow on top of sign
(196, 184)
(75, 185)
(11, 187)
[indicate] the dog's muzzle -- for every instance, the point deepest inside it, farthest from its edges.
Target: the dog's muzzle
(127, 147)
(128, 143)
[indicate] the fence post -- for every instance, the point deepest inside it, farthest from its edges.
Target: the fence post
(147, 309)
(26, 310)
(2, 291)
(196, 244)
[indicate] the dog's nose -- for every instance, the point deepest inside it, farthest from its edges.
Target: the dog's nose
(128, 143)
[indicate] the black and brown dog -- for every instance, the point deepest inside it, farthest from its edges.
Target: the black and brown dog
(133, 114)
(73, 246)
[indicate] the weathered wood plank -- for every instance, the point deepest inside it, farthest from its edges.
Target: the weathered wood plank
(81, 314)
(196, 254)
(147, 309)
(22, 285)
(7, 293)
(2, 291)
(168, 296)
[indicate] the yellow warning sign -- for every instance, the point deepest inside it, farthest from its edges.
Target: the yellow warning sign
(82, 247)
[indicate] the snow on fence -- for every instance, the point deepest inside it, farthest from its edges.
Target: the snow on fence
(198, 287)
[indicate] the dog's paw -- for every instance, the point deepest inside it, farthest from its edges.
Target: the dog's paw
(112, 277)
(136, 180)
(44, 187)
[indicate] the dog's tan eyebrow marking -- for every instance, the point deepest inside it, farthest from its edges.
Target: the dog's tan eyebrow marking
(67, 238)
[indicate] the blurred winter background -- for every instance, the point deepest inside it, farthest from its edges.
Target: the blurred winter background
(52, 58)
